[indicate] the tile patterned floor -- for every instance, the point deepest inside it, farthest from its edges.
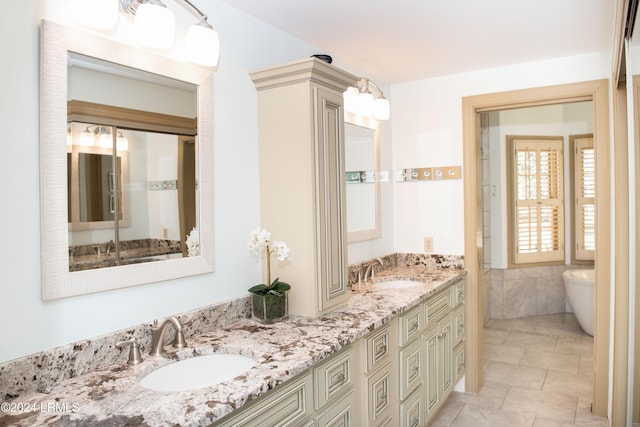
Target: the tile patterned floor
(538, 372)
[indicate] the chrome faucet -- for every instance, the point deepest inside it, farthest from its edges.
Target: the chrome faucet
(157, 336)
(109, 246)
(369, 271)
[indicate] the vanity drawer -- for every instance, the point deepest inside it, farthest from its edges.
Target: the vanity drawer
(438, 305)
(378, 348)
(459, 292)
(341, 414)
(410, 326)
(285, 405)
(411, 412)
(333, 377)
(411, 368)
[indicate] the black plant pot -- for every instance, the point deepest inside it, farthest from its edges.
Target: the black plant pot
(269, 308)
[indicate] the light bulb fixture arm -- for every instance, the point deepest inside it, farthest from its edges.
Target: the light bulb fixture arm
(130, 7)
(198, 13)
(365, 84)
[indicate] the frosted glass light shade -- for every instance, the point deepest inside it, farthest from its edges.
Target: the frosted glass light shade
(155, 26)
(122, 143)
(87, 139)
(366, 104)
(100, 14)
(381, 109)
(105, 140)
(203, 45)
(351, 99)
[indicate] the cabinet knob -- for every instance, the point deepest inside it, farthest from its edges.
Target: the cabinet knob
(415, 371)
(413, 326)
(381, 350)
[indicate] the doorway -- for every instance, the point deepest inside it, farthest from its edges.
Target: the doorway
(597, 92)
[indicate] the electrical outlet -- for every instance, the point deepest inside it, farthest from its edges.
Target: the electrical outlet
(428, 244)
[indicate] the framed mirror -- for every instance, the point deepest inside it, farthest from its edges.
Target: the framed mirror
(158, 184)
(362, 177)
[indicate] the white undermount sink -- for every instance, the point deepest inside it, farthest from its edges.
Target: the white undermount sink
(397, 284)
(197, 372)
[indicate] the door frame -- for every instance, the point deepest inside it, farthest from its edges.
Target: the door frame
(596, 91)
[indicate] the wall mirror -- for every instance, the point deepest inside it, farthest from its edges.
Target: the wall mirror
(126, 134)
(362, 173)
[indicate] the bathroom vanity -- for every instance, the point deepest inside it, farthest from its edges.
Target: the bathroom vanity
(388, 357)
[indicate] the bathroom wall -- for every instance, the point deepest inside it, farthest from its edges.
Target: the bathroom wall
(427, 131)
(31, 325)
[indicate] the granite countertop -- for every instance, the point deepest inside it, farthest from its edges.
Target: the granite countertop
(112, 396)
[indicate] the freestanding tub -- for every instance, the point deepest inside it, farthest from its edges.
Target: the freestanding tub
(579, 286)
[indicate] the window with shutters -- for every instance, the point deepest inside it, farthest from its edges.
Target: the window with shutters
(536, 202)
(584, 197)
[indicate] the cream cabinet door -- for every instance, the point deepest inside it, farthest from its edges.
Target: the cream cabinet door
(330, 197)
(432, 362)
(438, 354)
(302, 178)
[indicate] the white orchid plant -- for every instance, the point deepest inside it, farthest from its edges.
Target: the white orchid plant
(193, 242)
(259, 241)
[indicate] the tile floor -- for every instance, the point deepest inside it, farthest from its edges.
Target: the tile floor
(537, 373)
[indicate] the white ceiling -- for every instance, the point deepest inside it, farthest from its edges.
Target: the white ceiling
(404, 40)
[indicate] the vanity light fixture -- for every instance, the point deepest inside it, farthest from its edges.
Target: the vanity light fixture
(100, 136)
(360, 100)
(154, 25)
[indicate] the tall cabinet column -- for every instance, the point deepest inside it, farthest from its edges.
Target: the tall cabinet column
(302, 178)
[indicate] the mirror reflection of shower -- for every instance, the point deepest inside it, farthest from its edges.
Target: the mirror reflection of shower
(149, 184)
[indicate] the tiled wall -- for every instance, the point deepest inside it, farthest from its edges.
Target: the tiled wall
(486, 294)
(523, 292)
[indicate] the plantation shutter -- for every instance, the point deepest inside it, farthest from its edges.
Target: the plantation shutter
(585, 203)
(538, 213)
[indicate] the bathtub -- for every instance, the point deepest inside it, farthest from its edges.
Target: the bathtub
(579, 286)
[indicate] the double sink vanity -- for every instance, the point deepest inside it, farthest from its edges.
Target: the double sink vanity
(389, 357)
(357, 350)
